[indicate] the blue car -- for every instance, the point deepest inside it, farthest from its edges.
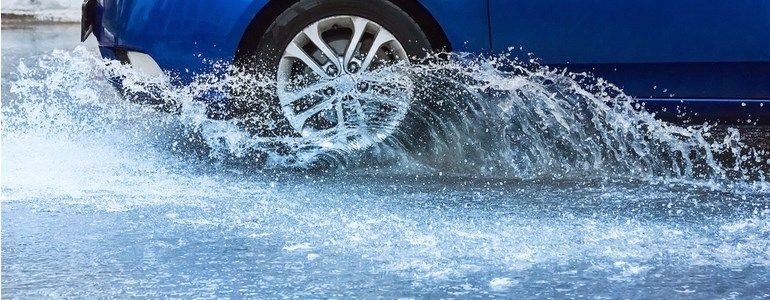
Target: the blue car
(710, 58)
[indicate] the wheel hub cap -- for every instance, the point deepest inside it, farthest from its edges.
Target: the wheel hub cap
(338, 84)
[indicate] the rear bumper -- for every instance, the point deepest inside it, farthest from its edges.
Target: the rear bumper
(218, 104)
(184, 37)
(142, 62)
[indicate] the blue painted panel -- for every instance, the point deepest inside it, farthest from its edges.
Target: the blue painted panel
(625, 31)
(687, 48)
(465, 22)
(725, 80)
(180, 35)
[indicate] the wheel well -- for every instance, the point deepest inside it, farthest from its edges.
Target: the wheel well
(436, 36)
(248, 44)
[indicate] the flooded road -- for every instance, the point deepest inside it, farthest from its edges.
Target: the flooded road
(102, 197)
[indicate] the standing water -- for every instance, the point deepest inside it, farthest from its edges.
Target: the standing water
(531, 182)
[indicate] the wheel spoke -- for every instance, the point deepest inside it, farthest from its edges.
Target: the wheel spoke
(292, 50)
(289, 97)
(315, 36)
(374, 104)
(358, 108)
(359, 26)
(382, 38)
(340, 114)
(366, 100)
(386, 98)
(299, 120)
(387, 92)
(383, 80)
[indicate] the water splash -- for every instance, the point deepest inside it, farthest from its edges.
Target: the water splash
(535, 121)
(591, 191)
(467, 116)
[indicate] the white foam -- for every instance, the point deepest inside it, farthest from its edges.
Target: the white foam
(67, 137)
(500, 283)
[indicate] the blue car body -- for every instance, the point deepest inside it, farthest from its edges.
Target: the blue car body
(710, 58)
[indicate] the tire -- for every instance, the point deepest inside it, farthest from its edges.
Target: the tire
(260, 111)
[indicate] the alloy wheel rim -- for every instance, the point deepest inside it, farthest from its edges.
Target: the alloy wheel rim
(337, 82)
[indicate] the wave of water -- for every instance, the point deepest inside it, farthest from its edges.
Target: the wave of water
(467, 117)
(558, 178)
(534, 121)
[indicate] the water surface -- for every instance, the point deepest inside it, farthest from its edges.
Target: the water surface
(102, 197)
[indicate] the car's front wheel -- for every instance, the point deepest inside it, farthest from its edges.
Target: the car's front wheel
(338, 68)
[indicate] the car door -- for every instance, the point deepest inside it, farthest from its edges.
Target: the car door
(651, 48)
